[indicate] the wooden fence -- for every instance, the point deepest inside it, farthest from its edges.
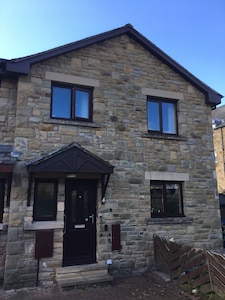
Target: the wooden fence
(192, 268)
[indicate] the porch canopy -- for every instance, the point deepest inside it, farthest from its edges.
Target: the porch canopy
(71, 159)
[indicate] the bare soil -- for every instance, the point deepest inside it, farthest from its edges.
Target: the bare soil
(146, 286)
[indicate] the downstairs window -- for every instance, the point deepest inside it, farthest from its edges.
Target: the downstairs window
(45, 200)
(166, 199)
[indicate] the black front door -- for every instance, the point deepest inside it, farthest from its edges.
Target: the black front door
(80, 222)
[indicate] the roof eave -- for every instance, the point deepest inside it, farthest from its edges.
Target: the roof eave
(212, 97)
(19, 68)
(22, 66)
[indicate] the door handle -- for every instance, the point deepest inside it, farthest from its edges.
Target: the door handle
(64, 229)
(92, 217)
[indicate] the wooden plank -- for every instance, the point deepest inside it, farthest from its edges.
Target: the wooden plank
(218, 283)
(202, 280)
(174, 247)
(161, 254)
(175, 265)
(189, 255)
(160, 245)
(193, 275)
(197, 260)
(217, 273)
(186, 277)
(160, 251)
(189, 265)
(220, 257)
(179, 250)
(216, 264)
(174, 256)
(217, 255)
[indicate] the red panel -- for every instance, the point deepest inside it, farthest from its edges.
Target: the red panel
(116, 237)
(44, 243)
(6, 168)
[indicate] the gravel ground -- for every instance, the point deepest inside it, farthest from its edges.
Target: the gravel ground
(146, 286)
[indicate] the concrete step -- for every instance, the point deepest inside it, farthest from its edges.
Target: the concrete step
(84, 280)
(82, 275)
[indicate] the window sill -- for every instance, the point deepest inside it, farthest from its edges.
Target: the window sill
(163, 136)
(43, 225)
(3, 226)
(178, 220)
(70, 122)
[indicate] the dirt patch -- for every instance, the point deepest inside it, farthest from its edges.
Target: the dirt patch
(146, 286)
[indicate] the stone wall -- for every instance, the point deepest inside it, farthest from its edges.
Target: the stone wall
(123, 70)
(7, 125)
(7, 111)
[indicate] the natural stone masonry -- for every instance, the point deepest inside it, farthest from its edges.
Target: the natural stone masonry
(219, 151)
(122, 71)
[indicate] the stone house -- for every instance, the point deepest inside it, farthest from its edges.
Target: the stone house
(218, 121)
(104, 142)
(218, 118)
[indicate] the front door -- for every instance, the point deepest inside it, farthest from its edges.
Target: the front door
(80, 222)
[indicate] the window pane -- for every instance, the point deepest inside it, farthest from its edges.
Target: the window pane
(153, 116)
(45, 202)
(166, 199)
(61, 102)
(157, 201)
(73, 206)
(82, 104)
(173, 199)
(86, 203)
(168, 117)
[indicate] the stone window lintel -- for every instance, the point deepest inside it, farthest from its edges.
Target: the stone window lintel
(67, 78)
(162, 93)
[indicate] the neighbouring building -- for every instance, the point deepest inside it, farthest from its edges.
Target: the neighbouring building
(104, 142)
(218, 121)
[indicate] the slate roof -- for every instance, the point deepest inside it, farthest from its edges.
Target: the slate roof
(218, 117)
(219, 112)
(14, 67)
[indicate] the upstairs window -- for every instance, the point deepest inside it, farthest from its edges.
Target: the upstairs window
(72, 103)
(2, 196)
(45, 200)
(166, 199)
(162, 116)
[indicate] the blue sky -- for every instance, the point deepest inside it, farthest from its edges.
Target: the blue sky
(192, 32)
